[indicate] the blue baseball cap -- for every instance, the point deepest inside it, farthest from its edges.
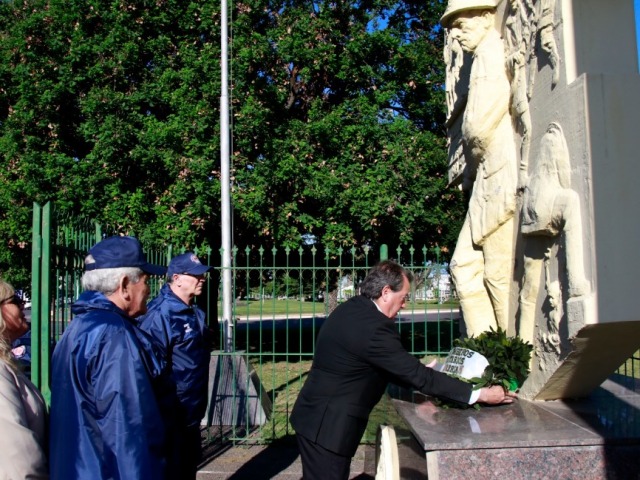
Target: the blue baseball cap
(118, 252)
(187, 263)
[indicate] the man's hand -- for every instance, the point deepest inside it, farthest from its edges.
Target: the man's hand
(432, 364)
(496, 395)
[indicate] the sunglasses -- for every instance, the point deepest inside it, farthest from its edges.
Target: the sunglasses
(202, 275)
(14, 300)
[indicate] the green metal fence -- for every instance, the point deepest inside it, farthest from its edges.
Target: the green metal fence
(59, 246)
(281, 297)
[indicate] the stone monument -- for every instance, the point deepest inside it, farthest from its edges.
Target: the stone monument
(543, 104)
(543, 100)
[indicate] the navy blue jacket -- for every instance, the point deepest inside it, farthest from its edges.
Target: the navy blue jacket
(180, 331)
(105, 421)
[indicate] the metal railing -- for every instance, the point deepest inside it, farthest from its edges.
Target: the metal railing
(59, 247)
(281, 297)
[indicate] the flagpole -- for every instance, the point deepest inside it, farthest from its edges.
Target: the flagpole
(225, 214)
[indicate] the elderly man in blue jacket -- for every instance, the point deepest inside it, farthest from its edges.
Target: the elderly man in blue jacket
(178, 326)
(105, 420)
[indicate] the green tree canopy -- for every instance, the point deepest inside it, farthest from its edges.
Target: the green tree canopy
(111, 110)
(338, 123)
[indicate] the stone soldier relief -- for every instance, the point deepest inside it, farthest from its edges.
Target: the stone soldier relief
(542, 99)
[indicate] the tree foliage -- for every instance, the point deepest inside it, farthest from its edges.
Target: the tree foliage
(111, 110)
(338, 115)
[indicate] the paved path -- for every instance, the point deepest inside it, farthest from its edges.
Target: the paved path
(264, 462)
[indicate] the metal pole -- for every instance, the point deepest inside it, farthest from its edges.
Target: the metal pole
(38, 345)
(384, 252)
(45, 300)
(225, 214)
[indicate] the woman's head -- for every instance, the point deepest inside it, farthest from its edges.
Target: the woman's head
(13, 323)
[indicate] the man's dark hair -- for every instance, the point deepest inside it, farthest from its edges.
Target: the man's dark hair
(382, 274)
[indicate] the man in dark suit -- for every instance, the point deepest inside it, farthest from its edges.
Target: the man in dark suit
(358, 352)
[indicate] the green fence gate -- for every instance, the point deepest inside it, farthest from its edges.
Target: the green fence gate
(281, 297)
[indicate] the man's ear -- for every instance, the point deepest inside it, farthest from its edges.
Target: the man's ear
(385, 291)
(125, 287)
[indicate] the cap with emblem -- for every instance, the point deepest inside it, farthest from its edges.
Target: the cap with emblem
(187, 263)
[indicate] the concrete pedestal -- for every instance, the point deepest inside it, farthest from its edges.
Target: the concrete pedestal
(593, 438)
(236, 396)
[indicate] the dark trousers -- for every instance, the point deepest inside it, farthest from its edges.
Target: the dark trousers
(185, 454)
(318, 463)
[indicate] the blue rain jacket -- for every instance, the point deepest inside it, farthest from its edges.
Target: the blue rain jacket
(180, 331)
(105, 421)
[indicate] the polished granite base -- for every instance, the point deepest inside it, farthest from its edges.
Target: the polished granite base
(593, 438)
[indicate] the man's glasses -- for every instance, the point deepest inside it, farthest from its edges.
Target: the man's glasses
(405, 299)
(201, 276)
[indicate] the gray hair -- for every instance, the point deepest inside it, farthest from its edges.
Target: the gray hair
(107, 280)
(382, 274)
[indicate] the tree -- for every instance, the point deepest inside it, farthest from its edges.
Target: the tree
(338, 123)
(111, 111)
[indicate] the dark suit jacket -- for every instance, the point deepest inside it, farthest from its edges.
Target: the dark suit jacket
(358, 352)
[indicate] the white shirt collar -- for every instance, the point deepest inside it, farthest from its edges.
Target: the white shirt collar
(377, 306)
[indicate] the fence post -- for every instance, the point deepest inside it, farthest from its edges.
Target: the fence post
(36, 250)
(384, 252)
(41, 298)
(98, 232)
(45, 302)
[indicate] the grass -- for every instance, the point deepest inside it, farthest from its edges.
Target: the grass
(282, 380)
(283, 388)
(266, 307)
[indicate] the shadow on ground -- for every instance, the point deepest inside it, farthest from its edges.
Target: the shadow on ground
(270, 462)
(276, 460)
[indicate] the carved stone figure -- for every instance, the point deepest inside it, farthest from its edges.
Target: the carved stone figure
(551, 209)
(541, 116)
(453, 58)
(457, 88)
(550, 340)
(482, 263)
(520, 35)
(547, 39)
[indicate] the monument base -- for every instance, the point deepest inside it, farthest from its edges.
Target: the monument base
(597, 350)
(236, 395)
(597, 437)
(595, 462)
